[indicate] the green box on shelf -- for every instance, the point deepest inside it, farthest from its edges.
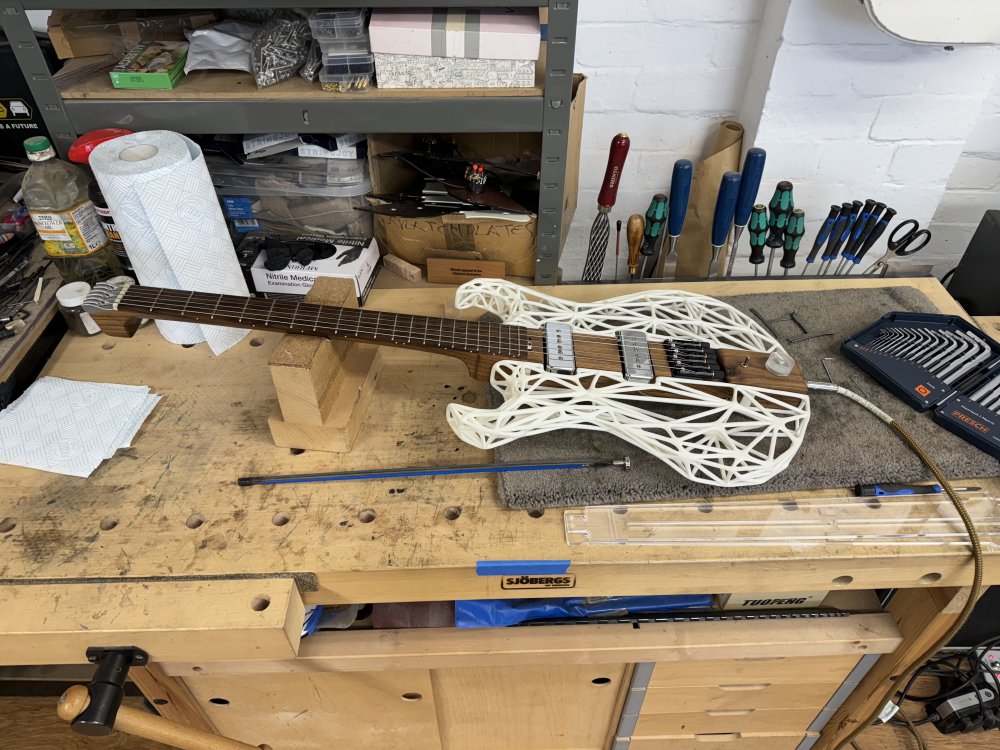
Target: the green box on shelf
(151, 65)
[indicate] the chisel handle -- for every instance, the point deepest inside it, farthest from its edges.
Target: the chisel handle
(725, 205)
(824, 233)
(793, 237)
(876, 232)
(680, 193)
(753, 170)
(633, 233)
(612, 174)
(758, 233)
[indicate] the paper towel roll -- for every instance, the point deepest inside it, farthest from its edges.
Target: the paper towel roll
(160, 193)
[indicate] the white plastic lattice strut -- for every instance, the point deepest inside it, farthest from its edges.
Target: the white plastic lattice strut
(743, 436)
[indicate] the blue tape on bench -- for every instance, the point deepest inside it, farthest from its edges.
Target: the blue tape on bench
(521, 567)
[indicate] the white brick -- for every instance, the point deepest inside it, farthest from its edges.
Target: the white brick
(648, 132)
(971, 69)
(597, 11)
(611, 90)
(924, 162)
(709, 11)
(818, 117)
(618, 44)
(965, 206)
(733, 47)
(976, 172)
(656, 168)
(985, 135)
(926, 117)
(660, 90)
(789, 160)
(852, 161)
(831, 22)
(911, 201)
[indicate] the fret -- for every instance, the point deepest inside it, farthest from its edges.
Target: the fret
(479, 327)
(340, 314)
(319, 312)
(246, 304)
(188, 302)
(426, 323)
(357, 328)
(409, 336)
(215, 309)
(267, 319)
(395, 322)
(465, 343)
(378, 317)
(155, 300)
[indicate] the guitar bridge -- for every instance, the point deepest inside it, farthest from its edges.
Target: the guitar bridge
(693, 359)
(559, 354)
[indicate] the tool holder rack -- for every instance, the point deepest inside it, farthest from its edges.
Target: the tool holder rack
(547, 113)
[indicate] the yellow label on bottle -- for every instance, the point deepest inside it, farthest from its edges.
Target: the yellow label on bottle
(72, 233)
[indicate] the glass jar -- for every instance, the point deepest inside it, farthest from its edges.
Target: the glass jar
(70, 298)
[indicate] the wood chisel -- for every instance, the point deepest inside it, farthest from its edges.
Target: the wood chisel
(824, 233)
(753, 169)
(680, 194)
(633, 235)
(779, 210)
(793, 236)
(722, 219)
(758, 235)
(656, 217)
(600, 230)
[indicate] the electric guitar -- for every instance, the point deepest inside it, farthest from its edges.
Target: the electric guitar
(684, 377)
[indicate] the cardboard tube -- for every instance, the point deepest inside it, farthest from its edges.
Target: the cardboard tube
(694, 247)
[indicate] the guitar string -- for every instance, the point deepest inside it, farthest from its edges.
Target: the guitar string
(591, 347)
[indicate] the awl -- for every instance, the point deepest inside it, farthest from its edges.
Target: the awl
(600, 230)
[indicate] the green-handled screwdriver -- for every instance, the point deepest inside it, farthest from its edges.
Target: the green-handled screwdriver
(793, 236)
(758, 235)
(780, 207)
(656, 217)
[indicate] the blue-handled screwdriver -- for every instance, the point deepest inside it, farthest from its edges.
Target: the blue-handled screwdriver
(895, 489)
(851, 211)
(824, 233)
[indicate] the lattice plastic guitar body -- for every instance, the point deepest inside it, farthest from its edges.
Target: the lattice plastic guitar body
(727, 436)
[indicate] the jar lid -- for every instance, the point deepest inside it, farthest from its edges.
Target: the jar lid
(79, 150)
(39, 148)
(72, 295)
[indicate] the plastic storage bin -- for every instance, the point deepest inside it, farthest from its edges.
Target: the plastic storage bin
(342, 65)
(337, 24)
(357, 45)
(284, 173)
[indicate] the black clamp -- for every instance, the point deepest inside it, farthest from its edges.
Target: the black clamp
(107, 688)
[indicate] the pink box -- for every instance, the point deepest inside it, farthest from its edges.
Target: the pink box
(489, 33)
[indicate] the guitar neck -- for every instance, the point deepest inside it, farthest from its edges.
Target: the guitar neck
(465, 339)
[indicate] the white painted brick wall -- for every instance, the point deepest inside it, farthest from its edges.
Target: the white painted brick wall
(843, 110)
(666, 72)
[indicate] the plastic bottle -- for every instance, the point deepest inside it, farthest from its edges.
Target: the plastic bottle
(56, 196)
(79, 152)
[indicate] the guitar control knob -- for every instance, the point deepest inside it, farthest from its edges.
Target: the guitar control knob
(779, 363)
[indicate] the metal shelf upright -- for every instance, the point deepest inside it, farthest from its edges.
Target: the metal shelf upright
(548, 112)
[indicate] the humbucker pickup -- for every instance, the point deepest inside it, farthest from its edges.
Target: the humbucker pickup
(559, 354)
(637, 366)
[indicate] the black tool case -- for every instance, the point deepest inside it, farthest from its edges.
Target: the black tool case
(938, 362)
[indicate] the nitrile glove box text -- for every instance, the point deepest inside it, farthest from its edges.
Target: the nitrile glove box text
(298, 279)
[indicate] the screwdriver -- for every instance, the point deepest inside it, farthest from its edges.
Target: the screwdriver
(633, 234)
(753, 169)
(656, 217)
(781, 206)
(824, 232)
(680, 194)
(895, 489)
(851, 211)
(618, 245)
(859, 225)
(758, 235)
(873, 220)
(793, 236)
(876, 232)
(725, 205)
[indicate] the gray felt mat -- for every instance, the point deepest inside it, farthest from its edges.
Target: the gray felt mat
(844, 444)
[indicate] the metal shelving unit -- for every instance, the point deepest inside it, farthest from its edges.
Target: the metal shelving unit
(315, 111)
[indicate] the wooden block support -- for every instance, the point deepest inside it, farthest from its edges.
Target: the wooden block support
(323, 386)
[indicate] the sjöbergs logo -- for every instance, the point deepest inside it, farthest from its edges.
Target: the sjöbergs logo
(566, 581)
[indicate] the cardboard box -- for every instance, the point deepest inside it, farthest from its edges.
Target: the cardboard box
(454, 235)
(474, 33)
(417, 72)
(104, 32)
(792, 600)
(151, 65)
(455, 271)
(297, 279)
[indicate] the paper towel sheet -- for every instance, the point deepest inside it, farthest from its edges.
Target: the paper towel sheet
(160, 193)
(69, 426)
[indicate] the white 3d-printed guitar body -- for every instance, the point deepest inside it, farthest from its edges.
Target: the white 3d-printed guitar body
(728, 436)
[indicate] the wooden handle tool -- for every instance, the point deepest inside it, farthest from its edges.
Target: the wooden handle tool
(634, 231)
(142, 724)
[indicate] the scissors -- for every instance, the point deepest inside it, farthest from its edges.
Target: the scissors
(906, 239)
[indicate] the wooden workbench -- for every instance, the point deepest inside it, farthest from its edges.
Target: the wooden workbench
(163, 550)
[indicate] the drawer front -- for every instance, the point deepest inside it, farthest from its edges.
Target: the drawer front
(737, 696)
(773, 671)
(748, 721)
(720, 742)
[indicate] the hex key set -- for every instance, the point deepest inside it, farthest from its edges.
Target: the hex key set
(940, 362)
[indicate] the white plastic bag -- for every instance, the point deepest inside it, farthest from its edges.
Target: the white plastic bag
(223, 46)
